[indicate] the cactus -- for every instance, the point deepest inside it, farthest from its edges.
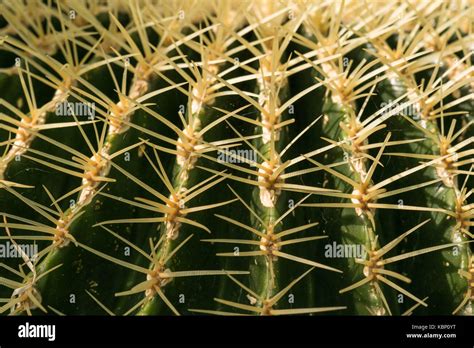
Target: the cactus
(236, 157)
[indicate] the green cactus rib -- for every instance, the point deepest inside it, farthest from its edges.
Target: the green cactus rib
(340, 123)
(215, 157)
(449, 227)
(95, 170)
(437, 144)
(36, 135)
(186, 186)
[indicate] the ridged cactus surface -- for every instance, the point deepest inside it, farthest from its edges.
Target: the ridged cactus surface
(227, 157)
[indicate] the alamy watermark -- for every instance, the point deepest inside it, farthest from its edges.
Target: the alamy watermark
(336, 250)
(77, 109)
(10, 250)
(237, 156)
(411, 110)
(28, 330)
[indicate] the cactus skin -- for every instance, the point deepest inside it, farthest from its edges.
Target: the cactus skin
(233, 144)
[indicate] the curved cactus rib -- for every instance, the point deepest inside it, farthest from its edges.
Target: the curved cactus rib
(184, 185)
(98, 165)
(433, 94)
(342, 121)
